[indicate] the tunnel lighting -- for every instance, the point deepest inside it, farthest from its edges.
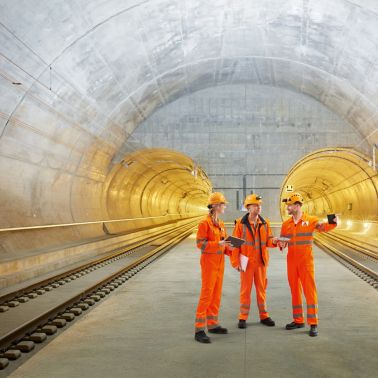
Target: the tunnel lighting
(126, 164)
(349, 223)
(194, 172)
(366, 224)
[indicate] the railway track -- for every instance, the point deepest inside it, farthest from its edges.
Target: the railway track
(360, 259)
(32, 314)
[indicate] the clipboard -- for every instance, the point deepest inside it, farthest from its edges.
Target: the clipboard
(235, 242)
(243, 262)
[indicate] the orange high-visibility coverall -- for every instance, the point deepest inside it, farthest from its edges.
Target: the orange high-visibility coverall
(300, 264)
(212, 268)
(255, 248)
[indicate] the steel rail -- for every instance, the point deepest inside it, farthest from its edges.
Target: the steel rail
(366, 248)
(331, 248)
(45, 317)
(53, 279)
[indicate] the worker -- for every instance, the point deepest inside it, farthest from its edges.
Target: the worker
(211, 241)
(256, 232)
(299, 229)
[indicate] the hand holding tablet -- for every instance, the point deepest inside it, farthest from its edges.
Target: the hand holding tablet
(235, 242)
(282, 242)
(282, 239)
(332, 218)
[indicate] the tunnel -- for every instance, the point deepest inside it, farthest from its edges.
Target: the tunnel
(118, 119)
(336, 180)
(210, 81)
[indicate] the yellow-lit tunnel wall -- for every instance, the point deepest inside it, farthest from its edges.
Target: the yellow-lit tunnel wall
(158, 184)
(337, 180)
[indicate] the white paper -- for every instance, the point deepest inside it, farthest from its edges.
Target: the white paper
(243, 262)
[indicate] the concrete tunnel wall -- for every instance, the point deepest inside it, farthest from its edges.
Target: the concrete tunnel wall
(77, 78)
(247, 137)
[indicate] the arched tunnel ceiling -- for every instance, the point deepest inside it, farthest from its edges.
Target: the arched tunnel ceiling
(110, 64)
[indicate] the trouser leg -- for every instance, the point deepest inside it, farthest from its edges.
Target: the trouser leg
(246, 281)
(261, 283)
(213, 309)
(209, 278)
(296, 291)
(307, 277)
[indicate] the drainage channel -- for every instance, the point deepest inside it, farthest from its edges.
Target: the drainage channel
(45, 325)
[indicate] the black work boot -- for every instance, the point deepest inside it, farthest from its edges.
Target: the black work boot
(220, 330)
(242, 324)
(268, 322)
(313, 330)
(201, 337)
(294, 325)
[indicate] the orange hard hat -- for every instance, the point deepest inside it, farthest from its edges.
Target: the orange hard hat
(295, 197)
(216, 198)
(252, 199)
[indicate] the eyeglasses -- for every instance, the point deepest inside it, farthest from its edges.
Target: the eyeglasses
(286, 200)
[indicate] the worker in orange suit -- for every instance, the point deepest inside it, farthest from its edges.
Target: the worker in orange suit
(299, 229)
(256, 232)
(211, 241)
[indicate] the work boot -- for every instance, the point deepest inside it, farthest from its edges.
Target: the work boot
(220, 330)
(268, 322)
(313, 330)
(294, 325)
(242, 324)
(201, 337)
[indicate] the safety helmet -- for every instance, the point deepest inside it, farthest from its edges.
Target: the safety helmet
(295, 197)
(252, 199)
(216, 198)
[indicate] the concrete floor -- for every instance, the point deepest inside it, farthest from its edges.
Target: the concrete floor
(145, 329)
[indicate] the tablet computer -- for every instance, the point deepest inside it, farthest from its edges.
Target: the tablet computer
(331, 218)
(283, 239)
(235, 242)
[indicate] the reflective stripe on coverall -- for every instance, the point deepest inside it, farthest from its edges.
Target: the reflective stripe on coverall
(300, 264)
(212, 268)
(258, 259)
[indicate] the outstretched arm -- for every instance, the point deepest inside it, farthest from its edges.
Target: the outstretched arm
(325, 227)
